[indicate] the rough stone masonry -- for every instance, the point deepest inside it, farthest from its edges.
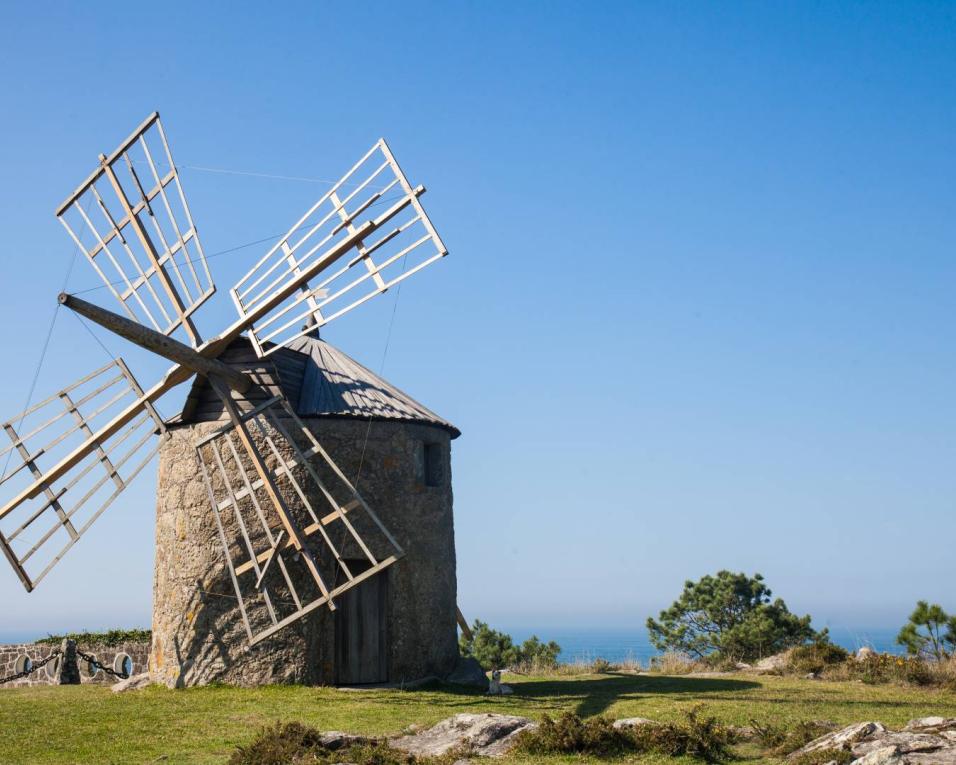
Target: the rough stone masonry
(198, 635)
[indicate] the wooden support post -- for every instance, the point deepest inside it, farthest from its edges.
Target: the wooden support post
(463, 623)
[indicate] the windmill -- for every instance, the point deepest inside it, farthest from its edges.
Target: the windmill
(279, 502)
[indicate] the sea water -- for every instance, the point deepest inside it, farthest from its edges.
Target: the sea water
(584, 644)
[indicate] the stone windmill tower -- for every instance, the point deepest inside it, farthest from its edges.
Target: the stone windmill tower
(398, 625)
(304, 522)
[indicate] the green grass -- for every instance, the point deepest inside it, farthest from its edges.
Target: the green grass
(88, 724)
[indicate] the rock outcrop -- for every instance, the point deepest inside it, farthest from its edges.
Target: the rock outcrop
(488, 735)
(926, 741)
(468, 672)
(132, 683)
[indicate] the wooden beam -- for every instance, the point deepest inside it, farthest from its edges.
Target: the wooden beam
(153, 256)
(268, 482)
(308, 531)
(157, 342)
(463, 623)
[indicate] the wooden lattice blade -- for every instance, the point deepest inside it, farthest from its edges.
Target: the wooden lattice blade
(308, 277)
(103, 428)
(279, 577)
(131, 219)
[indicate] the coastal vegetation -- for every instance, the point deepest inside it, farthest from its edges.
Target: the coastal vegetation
(729, 617)
(497, 650)
(206, 725)
(930, 633)
(113, 637)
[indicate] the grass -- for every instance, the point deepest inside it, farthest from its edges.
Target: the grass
(88, 724)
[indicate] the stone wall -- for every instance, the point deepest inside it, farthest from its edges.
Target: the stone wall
(198, 634)
(9, 654)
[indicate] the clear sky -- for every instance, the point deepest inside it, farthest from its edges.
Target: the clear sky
(698, 311)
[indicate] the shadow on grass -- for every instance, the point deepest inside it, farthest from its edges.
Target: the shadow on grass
(593, 695)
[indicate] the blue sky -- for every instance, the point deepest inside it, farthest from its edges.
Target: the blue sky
(698, 310)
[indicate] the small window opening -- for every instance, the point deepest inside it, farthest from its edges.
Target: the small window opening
(123, 664)
(53, 668)
(433, 465)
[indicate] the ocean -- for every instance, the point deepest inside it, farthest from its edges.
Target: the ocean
(624, 644)
(582, 644)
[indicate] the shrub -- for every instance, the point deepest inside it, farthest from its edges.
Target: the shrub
(703, 738)
(537, 655)
(816, 657)
(782, 741)
(884, 668)
(496, 650)
(824, 756)
(730, 615)
(279, 744)
(109, 638)
(492, 649)
(930, 633)
(569, 734)
(672, 663)
(601, 666)
(293, 743)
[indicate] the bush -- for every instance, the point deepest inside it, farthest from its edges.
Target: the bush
(293, 743)
(537, 655)
(496, 650)
(703, 738)
(930, 633)
(673, 663)
(885, 668)
(731, 616)
(279, 744)
(601, 666)
(824, 756)
(781, 741)
(816, 657)
(109, 638)
(569, 734)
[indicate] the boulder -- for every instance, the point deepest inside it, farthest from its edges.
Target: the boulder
(865, 653)
(884, 755)
(904, 742)
(133, 683)
(336, 739)
(468, 671)
(634, 722)
(488, 735)
(843, 738)
(776, 663)
(939, 757)
(931, 724)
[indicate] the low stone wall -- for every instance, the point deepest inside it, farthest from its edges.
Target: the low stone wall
(49, 675)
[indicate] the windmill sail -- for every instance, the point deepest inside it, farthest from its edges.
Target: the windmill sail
(286, 553)
(373, 209)
(52, 511)
(131, 219)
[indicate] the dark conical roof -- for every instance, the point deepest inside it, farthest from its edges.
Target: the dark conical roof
(318, 379)
(336, 384)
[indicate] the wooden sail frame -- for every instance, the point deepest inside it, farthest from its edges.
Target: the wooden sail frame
(107, 468)
(404, 247)
(144, 246)
(277, 577)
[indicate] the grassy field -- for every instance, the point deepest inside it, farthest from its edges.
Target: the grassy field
(87, 724)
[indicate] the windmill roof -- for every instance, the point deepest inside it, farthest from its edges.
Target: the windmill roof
(318, 379)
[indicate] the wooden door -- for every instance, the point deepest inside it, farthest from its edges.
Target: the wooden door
(361, 639)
